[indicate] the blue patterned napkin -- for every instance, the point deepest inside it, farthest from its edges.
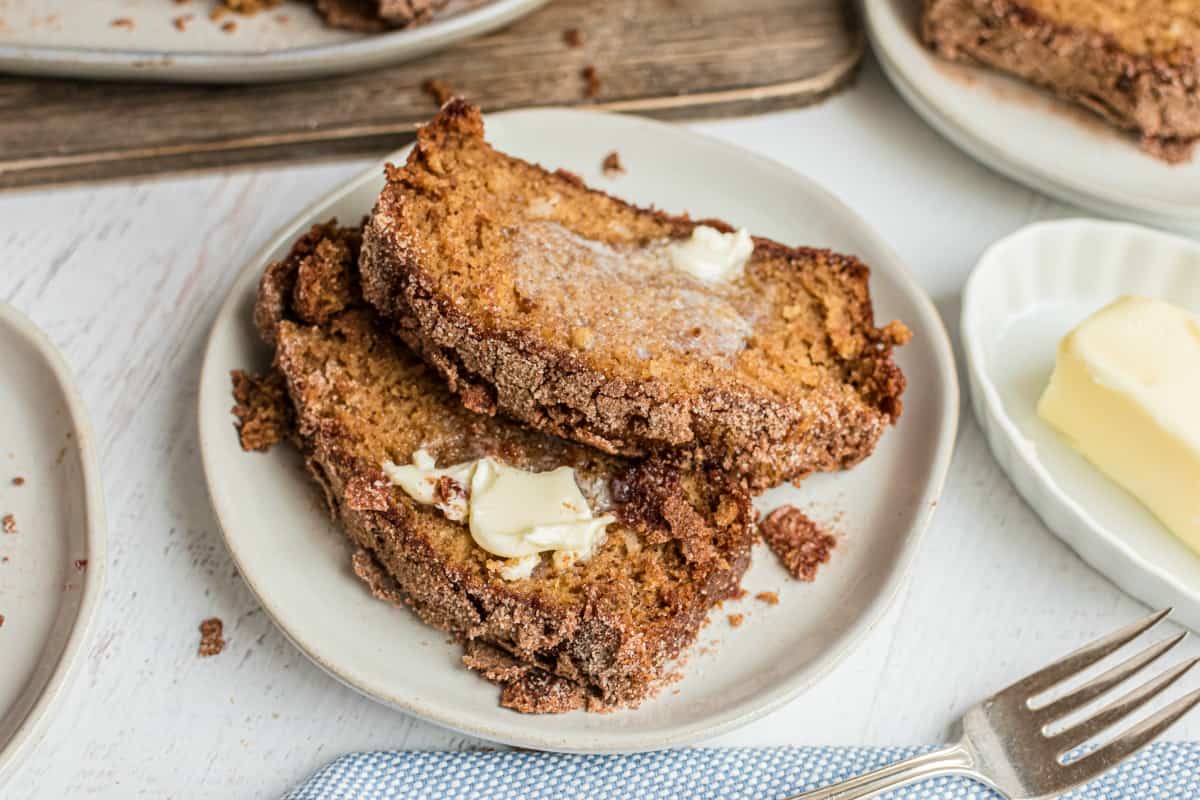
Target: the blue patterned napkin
(1165, 771)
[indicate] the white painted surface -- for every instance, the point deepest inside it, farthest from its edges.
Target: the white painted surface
(126, 279)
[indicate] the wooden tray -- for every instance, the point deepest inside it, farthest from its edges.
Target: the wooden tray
(678, 59)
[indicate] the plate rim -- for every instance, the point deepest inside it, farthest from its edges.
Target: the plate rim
(295, 63)
(989, 408)
(625, 741)
(995, 156)
(35, 724)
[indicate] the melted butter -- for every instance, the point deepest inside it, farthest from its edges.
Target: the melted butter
(511, 512)
(630, 298)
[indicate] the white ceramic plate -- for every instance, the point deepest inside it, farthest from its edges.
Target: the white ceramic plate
(1028, 290)
(77, 39)
(298, 564)
(1028, 135)
(46, 598)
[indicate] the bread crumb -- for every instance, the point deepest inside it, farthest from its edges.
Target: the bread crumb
(211, 641)
(181, 22)
(18, 481)
(612, 164)
(801, 545)
(4, 559)
(122, 22)
(770, 598)
(9, 523)
(229, 26)
(80, 564)
(592, 78)
(439, 90)
(572, 37)
(182, 2)
(736, 620)
(1, 620)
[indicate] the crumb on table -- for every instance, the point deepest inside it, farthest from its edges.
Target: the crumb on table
(80, 564)
(228, 26)
(1, 620)
(770, 598)
(122, 22)
(18, 481)
(612, 164)
(572, 37)
(211, 640)
(9, 523)
(736, 620)
(592, 81)
(181, 22)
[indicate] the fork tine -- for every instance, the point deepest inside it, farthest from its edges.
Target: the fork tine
(1102, 683)
(1084, 657)
(1128, 743)
(1130, 702)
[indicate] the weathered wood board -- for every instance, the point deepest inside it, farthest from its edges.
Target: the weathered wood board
(676, 59)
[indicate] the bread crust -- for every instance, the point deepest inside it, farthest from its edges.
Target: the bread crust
(762, 435)
(1154, 92)
(572, 641)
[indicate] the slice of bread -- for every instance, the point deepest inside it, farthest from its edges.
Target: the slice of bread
(553, 303)
(599, 633)
(1137, 64)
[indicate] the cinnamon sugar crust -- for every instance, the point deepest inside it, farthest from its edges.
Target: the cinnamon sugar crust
(555, 304)
(597, 633)
(1134, 62)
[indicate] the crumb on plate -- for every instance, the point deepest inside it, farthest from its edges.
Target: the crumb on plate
(612, 164)
(801, 545)
(770, 598)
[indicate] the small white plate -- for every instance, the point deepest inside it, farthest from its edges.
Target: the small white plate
(297, 562)
(1028, 290)
(76, 39)
(52, 569)
(1029, 135)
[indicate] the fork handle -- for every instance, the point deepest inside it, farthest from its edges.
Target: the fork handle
(949, 760)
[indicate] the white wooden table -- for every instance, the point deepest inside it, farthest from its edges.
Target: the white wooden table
(126, 279)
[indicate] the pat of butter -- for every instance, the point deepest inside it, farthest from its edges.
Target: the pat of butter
(1125, 394)
(419, 481)
(511, 513)
(711, 255)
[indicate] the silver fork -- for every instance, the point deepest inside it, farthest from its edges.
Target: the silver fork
(1005, 743)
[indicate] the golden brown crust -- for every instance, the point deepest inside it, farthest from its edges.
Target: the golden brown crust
(808, 385)
(604, 628)
(1137, 64)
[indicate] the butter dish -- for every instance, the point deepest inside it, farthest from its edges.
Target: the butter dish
(1028, 291)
